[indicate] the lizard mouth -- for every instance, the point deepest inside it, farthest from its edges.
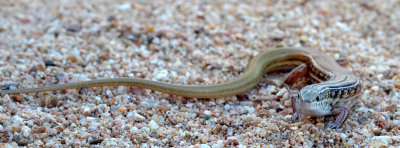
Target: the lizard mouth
(306, 104)
(307, 108)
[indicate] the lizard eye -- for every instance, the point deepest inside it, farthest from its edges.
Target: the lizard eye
(317, 98)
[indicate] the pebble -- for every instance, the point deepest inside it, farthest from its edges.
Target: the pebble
(86, 111)
(227, 107)
(26, 131)
(272, 127)
(153, 125)
(73, 27)
(134, 129)
(204, 146)
(136, 116)
(219, 144)
(17, 120)
(375, 88)
(125, 6)
(162, 74)
(48, 63)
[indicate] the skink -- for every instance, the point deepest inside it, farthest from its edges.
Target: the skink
(334, 95)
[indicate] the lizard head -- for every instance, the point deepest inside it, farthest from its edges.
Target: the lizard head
(310, 93)
(312, 101)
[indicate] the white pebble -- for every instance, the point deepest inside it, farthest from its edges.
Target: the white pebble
(227, 107)
(138, 117)
(144, 51)
(26, 131)
(383, 140)
(375, 87)
(315, 22)
(379, 76)
(271, 88)
(272, 127)
(129, 115)
(162, 74)
(219, 144)
(17, 120)
(336, 55)
(343, 26)
(86, 110)
(204, 146)
(343, 136)
(250, 109)
(134, 129)
(109, 93)
(207, 112)
(98, 99)
(105, 115)
(153, 125)
(382, 68)
(125, 6)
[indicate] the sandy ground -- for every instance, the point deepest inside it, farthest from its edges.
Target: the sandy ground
(189, 42)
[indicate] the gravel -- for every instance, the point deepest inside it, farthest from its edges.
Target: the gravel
(189, 42)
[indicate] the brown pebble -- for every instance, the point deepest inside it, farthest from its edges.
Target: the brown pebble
(96, 141)
(42, 67)
(242, 97)
(211, 26)
(219, 43)
(43, 129)
(35, 129)
(72, 118)
(122, 109)
(150, 30)
(48, 102)
(25, 20)
(17, 98)
(391, 108)
(59, 129)
(72, 58)
(16, 128)
(23, 142)
(397, 85)
(200, 79)
(233, 141)
(383, 124)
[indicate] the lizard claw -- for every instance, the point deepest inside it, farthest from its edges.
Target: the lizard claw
(297, 116)
(332, 126)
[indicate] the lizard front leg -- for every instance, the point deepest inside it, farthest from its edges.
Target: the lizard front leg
(343, 113)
